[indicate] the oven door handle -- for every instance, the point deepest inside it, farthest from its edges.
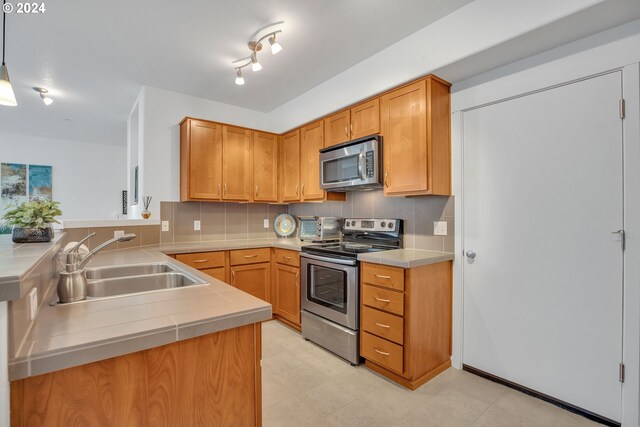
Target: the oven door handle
(329, 259)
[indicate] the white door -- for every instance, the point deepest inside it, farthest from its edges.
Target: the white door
(542, 196)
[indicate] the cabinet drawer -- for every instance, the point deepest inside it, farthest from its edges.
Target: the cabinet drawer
(383, 324)
(249, 256)
(382, 352)
(203, 260)
(383, 299)
(216, 273)
(286, 257)
(383, 275)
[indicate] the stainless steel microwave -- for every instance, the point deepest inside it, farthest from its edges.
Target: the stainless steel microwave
(352, 166)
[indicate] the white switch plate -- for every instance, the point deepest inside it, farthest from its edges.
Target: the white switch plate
(118, 233)
(266, 223)
(196, 225)
(440, 228)
(33, 303)
(165, 225)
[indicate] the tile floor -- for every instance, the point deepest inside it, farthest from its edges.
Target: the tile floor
(304, 385)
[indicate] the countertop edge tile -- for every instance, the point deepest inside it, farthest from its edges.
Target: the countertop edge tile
(200, 328)
(406, 258)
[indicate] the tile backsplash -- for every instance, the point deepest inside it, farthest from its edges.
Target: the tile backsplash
(218, 221)
(236, 221)
(418, 214)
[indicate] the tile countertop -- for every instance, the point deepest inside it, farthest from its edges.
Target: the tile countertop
(225, 245)
(406, 258)
(70, 335)
(17, 260)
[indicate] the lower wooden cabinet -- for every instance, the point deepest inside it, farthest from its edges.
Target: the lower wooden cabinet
(212, 380)
(217, 273)
(287, 293)
(405, 321)
(254, 279)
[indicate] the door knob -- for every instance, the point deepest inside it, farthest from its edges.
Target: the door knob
(470, 254)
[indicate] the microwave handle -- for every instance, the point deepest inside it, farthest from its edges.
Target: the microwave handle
(362, 164)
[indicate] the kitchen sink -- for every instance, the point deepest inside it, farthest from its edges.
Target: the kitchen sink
(127, 270)
(135, 284)
(115, 281)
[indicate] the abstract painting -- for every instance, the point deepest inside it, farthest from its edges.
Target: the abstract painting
(13, 182)
(40, 184)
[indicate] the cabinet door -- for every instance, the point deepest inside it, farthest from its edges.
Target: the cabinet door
(287, 294)
(404, 123)
(290, 158)
(311, 141)
(204, 170)
(254, 279)
(365, 119)
(337, 128)
(217, 273)
(236, 143)
(265, 167)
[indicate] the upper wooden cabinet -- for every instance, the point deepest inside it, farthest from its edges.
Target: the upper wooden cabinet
(416, 128)
(359, 121)
(236, 152)
(290, 167)
(311, 141)
(265, 167)
(200, 160)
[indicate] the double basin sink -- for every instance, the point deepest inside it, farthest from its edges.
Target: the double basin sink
(114, 281)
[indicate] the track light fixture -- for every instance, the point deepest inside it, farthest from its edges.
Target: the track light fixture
(43, 94)
(255, 47)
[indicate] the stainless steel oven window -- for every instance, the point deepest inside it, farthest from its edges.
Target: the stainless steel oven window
(328, 287)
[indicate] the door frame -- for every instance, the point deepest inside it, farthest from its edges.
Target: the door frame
(631, 211)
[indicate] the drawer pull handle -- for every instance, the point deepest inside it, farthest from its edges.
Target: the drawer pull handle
(380, 276)
(199, 261)
(384, 353)
(381, 325)
(382, 299)
(286, 257)
(233, 277)
(250, 256)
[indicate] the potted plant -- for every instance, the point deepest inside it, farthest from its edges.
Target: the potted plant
(32, 220)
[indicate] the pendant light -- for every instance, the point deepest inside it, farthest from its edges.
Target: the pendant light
(7, 96)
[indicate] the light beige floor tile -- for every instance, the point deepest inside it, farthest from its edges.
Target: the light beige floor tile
(292, 412)
(446, 410)
(567, 419)
(518, 409)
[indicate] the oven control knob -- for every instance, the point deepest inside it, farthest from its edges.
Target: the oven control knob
(383, 224)
(348, 223)
(390, 225)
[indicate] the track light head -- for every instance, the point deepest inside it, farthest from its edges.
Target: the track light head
(239, 78)
(43, 94)
(255, 65)
(275, 46)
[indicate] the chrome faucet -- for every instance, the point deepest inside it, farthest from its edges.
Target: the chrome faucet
(72, 282)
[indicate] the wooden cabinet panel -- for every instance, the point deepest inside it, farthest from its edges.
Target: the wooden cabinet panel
(202, 260)
(311, 141)
(383, 324)
(365, 119)
(200, 160)
(382, 299)
(265, 167)
(212, 380)
(383, 352)
(287, 293)
(254, 279)
(404, 127)
(237, 175)
(217, 273)
(337, 128)
(383, 275)
(287, 257)
(290, 168)
(249, 256)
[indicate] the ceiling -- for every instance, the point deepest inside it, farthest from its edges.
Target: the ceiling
(95, 56)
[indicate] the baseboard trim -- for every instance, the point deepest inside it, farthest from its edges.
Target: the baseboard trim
(557, 402)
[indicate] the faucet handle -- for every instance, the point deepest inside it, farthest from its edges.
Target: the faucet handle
(77, 246)
(73, 257)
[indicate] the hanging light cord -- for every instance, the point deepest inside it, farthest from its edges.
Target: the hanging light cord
(4, 26)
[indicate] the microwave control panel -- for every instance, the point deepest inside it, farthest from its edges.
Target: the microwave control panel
(370, 168)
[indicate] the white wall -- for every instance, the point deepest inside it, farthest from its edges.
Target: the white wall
(88, 179)
(161, 111)
(618, 48)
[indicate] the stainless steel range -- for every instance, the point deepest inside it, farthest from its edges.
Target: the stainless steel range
(330, 283)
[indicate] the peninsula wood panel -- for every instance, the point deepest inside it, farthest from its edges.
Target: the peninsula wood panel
(212, 380)
(290, 168)
(365, 119)
(200, 160)
(237, 174)
(265, 167)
